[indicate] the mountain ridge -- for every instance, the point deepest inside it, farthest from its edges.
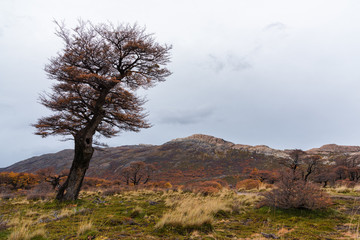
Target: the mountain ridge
(194, 157)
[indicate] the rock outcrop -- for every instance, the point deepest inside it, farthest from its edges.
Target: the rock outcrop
(334, 148)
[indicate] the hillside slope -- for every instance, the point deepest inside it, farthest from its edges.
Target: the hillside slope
(180, 160)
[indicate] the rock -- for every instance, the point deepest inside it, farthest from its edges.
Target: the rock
(270, 235)
(153, 203)
(334, 148)
(206, 138)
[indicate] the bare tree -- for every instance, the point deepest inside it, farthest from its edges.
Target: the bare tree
(48, 175)
(137, 172)
(97, 73)
(294, 161)
(312, 163)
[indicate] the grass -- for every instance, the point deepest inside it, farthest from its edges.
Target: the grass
(344, 190)
(193, 212)
(23, 231)
(146, 214)
(84, 226)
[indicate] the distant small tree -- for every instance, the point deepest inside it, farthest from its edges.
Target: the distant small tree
(97, 73)
(294, 161)
(312, 164)
(354, 174)
(325, 175)
(342, 172)
(137, 172)
(48, 175)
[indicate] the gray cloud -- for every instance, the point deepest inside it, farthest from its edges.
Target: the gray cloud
(215, 63)
(230, 61)
(187, 116)
(237, 64)
(275, 26)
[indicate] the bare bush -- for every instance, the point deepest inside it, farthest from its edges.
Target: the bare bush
(112, 191)
(293, 192)
(40, 192)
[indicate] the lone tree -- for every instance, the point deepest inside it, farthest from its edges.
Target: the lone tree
(137, 172)
(97, 73)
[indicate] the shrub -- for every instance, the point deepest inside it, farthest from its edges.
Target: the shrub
(112, 191)
(345, 183)
(206, 188)
(248, 184)
(159, 184)
(7, 196)
(293, 192)
(90, 182)
(40, 191)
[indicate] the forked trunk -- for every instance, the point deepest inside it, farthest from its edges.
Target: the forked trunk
(69, 191)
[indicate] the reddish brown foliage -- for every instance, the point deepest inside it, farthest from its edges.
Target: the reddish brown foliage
(248, 184)
(293, 192)
(18, 180)
(160, 184)
(137, 172)
(90, 182)
(264, 175)
(207, 187)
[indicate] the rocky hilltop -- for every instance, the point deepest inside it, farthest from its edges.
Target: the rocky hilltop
(221, 143)
(333, 148)
(201, 138)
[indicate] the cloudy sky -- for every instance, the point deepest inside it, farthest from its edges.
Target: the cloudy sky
(276, 72)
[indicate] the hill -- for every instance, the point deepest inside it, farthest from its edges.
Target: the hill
(180, 160)
(197, 157)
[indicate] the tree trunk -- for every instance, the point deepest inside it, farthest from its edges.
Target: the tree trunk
(69, 191)
(83, 153)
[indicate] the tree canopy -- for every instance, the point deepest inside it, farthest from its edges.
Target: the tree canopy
(96, 73)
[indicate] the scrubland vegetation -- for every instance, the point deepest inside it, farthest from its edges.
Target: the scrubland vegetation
(206, 210)
(290, 203)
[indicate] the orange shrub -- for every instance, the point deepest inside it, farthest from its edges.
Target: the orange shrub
(160, 184)
(90, 182)
(207, 187)
(248, 184)
(17, 181)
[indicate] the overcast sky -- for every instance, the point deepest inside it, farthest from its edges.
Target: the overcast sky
(276, 72)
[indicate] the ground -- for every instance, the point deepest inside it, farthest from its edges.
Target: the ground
(169, 214)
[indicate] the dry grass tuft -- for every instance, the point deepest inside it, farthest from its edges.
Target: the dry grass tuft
(84, 226)
(192, 212)
(65, 212)
(136, 212)
(40, 232)
(22, 231)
